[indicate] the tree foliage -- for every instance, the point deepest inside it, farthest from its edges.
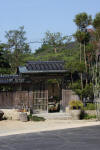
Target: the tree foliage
(83, 20)
(80, 56)
(4, 61)
(18, 46)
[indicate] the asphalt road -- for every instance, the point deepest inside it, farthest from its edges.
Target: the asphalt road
(86, 138)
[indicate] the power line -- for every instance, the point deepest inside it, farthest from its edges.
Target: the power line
(35, 42)
(32, 42)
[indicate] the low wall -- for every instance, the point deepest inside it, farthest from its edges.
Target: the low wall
(90, 112)
(75, 113)
(11, 114)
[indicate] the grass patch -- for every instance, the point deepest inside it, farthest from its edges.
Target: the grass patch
(90, 106)
(35, 118)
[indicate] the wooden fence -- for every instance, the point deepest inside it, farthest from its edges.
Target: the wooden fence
(68, 95)
(28, 99)
(16, 99)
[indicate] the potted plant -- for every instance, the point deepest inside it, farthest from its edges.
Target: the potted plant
(75, 107)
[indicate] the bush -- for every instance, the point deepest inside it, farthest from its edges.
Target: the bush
(35, 118)
(84, 115)
(4, 118)
(90, 106)
(87, 116)
(1, 114)
(75, 104)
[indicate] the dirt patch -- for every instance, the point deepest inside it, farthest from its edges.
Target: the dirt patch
(9, 127)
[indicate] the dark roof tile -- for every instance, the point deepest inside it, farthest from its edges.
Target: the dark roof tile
(45, 65)
(5, 79)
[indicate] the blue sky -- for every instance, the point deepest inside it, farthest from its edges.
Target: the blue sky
(39, 16)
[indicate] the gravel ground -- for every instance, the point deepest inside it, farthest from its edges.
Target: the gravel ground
(9, 127)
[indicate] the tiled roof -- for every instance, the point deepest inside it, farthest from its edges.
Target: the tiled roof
(43, 66)
(5, 79)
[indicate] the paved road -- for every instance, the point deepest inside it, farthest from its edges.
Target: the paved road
(85, 138)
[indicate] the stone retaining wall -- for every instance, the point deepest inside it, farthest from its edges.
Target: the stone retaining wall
(11, 114)
(91, 112)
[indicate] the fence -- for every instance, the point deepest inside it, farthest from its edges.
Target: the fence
(38, 100)
(68, 95)
(16, 99)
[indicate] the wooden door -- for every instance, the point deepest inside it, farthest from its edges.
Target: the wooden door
(65, 98)
(40, 101)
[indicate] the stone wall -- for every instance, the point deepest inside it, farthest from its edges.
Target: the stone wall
(11, 114)
(91, 112)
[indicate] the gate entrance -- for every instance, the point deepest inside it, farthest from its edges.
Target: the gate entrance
(40, 101)
(40, 97)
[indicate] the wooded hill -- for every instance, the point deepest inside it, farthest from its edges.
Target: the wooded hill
(81, 56)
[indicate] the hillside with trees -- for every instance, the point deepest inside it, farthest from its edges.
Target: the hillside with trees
(81, 55)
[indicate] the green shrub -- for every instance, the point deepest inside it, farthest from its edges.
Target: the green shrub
(75, 104)
(35, 118)
(87, 116)
(4, 118)
(90, 106)
(84, 115)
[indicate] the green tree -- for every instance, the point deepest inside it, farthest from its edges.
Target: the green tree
(55, 40)
(82, 21)
(96, 67)
(17, 44)
(4, 62)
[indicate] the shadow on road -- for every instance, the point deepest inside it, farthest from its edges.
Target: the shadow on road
(84, 138)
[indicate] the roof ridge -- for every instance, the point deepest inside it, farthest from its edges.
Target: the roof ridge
(45, 61)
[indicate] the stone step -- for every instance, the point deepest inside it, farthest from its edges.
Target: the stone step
(57, 116)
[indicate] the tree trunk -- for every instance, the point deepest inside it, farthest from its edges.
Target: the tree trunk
(71, 78)
(80, 63)
(85, 63)
(81, 81)
(96, 71)
(55, 50)
(80, 52)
